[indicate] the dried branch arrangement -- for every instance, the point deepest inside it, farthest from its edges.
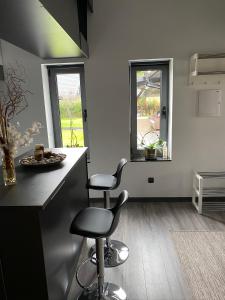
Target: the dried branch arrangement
(13, 100)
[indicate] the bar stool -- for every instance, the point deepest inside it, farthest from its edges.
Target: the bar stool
(116, 252)
(99, 223)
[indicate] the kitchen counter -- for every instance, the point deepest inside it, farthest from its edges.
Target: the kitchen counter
(37, 185)
(38, 255)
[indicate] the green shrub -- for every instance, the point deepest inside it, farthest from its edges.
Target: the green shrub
(148, 106)
(70, 109)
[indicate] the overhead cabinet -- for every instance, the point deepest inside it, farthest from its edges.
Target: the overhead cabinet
(49, 29)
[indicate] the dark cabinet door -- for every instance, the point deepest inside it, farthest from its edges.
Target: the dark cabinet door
(62, 249)
(2, 284)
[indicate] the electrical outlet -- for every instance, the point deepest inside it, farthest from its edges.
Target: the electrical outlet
(150, 179)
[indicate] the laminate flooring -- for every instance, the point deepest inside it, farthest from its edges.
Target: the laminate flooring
(152, 271)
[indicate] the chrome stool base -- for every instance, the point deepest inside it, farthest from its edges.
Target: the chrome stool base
(114, 255)
(110, 292)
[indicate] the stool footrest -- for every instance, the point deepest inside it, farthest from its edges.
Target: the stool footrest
(77, 275)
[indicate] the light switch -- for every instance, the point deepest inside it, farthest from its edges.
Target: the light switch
(209, 103)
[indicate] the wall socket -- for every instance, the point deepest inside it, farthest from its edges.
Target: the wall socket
(150, 179)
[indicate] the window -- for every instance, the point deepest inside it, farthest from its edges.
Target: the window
(68, 102)
(150, 107)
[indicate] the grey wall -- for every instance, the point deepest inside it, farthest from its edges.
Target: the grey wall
(121, 30)
(12, 55)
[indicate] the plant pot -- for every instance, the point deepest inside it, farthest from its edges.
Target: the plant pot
(150, 154)
(8, 168)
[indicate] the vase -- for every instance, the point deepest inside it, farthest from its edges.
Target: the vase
(150, 154)
(8, 168)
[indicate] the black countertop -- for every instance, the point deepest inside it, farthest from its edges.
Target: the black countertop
(37, 186)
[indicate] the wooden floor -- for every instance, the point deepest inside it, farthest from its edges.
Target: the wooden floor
(152, 271)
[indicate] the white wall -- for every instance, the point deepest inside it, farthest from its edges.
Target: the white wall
(122, 30)
(48, 108)
(35, 112)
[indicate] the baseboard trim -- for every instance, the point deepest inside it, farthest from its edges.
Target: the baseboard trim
(148, 199)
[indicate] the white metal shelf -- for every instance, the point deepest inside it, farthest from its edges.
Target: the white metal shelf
(207, 69)
(194, 73)
(201, 191)
(210, 56)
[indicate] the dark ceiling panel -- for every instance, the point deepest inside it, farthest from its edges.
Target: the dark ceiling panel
(29, 25)
(66, 14)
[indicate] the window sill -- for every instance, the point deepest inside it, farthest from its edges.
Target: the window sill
(142, 159)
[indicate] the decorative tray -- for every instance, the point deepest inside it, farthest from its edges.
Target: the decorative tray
(53, 159)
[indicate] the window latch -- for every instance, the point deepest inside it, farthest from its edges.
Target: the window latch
(85, 115)
(164, 111)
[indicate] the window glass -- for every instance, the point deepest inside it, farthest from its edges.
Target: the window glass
(148, 106)
(70, 106)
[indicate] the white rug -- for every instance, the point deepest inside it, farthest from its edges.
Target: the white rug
(202, 257)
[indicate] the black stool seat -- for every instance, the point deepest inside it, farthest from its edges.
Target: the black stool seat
(99, 223)
(93, 222)
(102, 182)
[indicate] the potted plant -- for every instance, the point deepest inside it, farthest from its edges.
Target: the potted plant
(150, 151)
(154, 150)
